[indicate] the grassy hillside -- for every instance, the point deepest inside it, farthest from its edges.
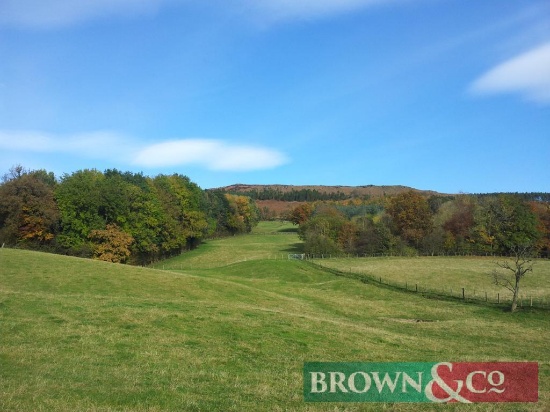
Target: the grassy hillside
(230, 331)
(268, 240)
(448, 273)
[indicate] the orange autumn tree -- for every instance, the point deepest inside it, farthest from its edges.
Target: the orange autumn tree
(111, 244)
(301, 213)
(411, 216)
(28, 212)
(542, 212)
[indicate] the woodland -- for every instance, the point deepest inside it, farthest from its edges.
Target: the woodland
(411, 223)
(128, 217)
(115, 216)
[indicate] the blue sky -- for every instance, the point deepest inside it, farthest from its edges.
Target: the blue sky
(447, 95)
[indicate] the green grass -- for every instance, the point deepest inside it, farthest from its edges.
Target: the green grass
(81, 335)
(448, 273)
(268, 240)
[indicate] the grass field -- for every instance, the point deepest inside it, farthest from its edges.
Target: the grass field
(447, 274)
(230, 331)
(268, 240)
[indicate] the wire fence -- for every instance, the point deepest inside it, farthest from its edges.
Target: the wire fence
(445, 292)
(402, 254)
(278, 232)
(463, 294)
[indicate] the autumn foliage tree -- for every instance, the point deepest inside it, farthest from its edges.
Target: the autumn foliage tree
(111, 244)
(542, 211)
(459, 226)
(86, 213)
(301, 213)
(28, 212)
(411, 216)
(243, 214)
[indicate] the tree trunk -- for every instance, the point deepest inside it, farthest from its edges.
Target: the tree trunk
(515, 298)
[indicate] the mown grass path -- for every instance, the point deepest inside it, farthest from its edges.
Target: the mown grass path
(230, 331)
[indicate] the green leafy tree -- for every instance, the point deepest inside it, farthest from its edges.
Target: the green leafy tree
(79, 199)
(318, 244)
(195, 226)
(243, 215)
(504, 222)
(324, 230)
(373, 237)
(144, 223)
(183, 222)
(434, 242)
(129, 201)
(217, 208)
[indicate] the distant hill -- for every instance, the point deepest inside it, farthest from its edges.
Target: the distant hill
(291, 193)
(279, 199)
(317, 192)
(276, 199)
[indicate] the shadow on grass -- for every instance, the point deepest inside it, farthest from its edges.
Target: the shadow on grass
(289, 230)
(295, 248)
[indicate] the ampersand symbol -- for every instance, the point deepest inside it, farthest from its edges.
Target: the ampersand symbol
(443, 385)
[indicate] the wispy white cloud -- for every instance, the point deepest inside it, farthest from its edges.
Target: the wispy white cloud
(527, 74)
(280, 10)
(100, 144)
(49, 14)
(209, 153)
(61, 13)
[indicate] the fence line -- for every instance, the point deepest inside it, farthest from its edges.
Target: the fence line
(460, 294)
(272, 233)
(415, 254)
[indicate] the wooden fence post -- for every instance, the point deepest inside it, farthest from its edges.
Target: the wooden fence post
(463, 295)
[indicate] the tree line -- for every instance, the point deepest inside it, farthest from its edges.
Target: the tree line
(314, 195)
(293, 195)
(411, 223)
(526, 196)
(115, 216)
(128, 217)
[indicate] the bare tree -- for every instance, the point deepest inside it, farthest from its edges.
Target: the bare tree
(521, 264)
(15, 172)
